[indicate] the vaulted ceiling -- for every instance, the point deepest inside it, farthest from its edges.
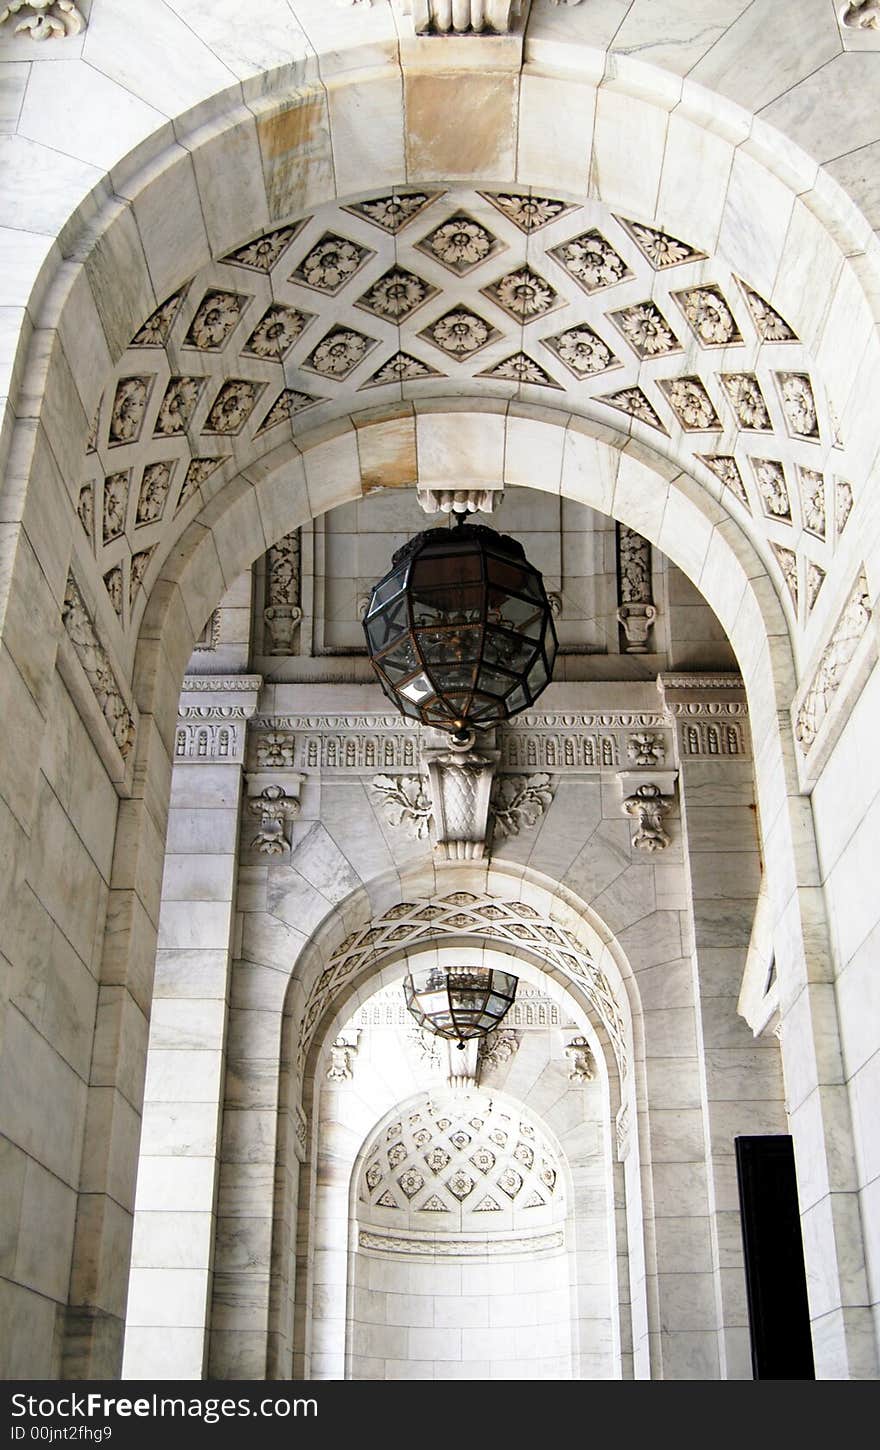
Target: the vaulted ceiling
(452, 291)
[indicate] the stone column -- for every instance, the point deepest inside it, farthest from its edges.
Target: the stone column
(175, 1208)
(740, 1075)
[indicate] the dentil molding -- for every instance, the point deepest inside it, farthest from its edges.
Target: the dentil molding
(463, 17)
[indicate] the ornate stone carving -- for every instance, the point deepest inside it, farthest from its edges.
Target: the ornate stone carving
(520, 368)
(396, 295)
(464, 17)
(833, 665)
(216, 316)
(460, 333)
(634, 402)
(276, 332)
(798, 404)
(769, 325)
(582, 350)
(636, 612)
(157, 328)
(460, 500)
(261, 254)
(645, 749)
(864, 15)
(709, 316)
(661, 249)
(405, 802)
(646, 330)
(691, 404)
(401, 368)
(129, 405)
(392, 213)
(331, 263)
(527, 211)
(232, 407)
(98, 669)
(274, 808)
(53, 20)
(747, 401)
(460, 783)
(276, 749)
(726, 469)
(283, 613)
(85, 507)
(339, 353)
(582, 1067)
(178, 406)
(210, 733)
(843, 502)
(497, 1048)
(591, 261)
(519, 801)
(813, 507)
(647, 808)
(770, 478)
(287, 405)
(115, 506)
(155, 484)
(787, 560)
(342, 1055)
(524, 295)
(221, 684)
(621, 1131)
(460, 244)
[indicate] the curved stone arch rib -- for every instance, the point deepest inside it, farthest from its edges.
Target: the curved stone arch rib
(464, 916)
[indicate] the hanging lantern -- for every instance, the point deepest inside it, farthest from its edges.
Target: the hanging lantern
(460, 631)
(459, 1003)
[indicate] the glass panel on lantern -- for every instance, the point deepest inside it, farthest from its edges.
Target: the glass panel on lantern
(453, 678)
(438, 568)
(510, 651)
(519, 614)
(517, 700)
(387, 626)
(485, 710)
(455, 643)
(401, 656)
(418, 689)
(447, 606)
(537, 677)
(439, 713)
(387, 590)
(495, 682)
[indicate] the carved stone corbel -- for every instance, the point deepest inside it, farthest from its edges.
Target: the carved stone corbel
(461, 783)
(582, 1067)
(462, 1066)
(460, 500)
(647, 808)
(274, 807)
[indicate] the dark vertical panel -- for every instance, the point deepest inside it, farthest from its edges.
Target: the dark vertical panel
(776, 1283)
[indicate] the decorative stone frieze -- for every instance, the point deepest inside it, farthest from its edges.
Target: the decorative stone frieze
(44, 19)
(519, 801)
(460, 783)
(211, 733)
(833, 665)
(221, 684)
(647, 808)
(637, 612)
(582, 742)
(582, 1067)
(710, 714)
(274, 808)
(98, 669)
(457, 1247)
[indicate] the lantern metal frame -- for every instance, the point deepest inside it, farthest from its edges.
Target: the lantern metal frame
(459, 1003)
(460, 630)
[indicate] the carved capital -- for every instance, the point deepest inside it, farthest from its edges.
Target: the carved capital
(636, 621)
